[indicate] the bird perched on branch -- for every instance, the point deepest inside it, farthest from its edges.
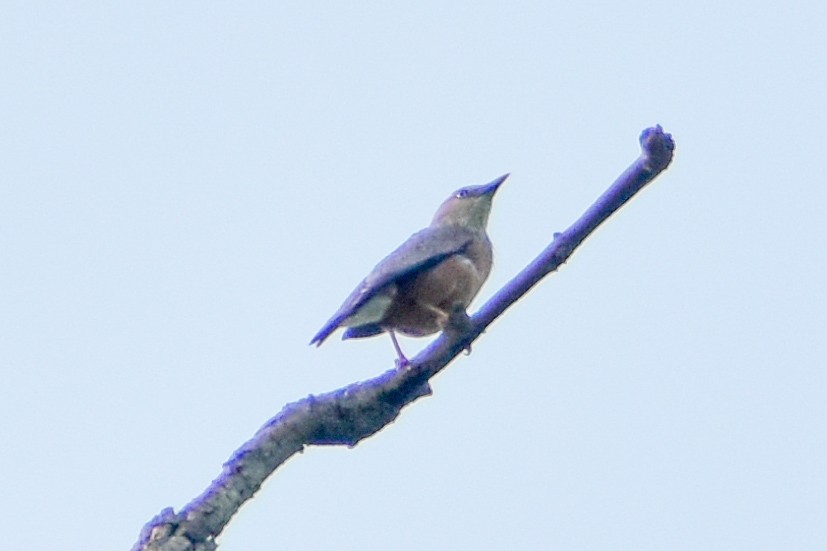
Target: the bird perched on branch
(431, 277)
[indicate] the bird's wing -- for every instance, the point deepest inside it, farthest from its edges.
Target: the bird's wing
(422, 250)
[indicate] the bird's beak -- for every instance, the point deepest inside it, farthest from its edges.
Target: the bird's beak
(492, 186)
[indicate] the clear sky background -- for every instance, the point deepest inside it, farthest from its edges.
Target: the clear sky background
(188, 190)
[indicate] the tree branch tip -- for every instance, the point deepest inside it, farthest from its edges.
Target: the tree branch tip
(657, 148)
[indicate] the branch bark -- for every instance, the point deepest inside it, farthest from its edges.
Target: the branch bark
(357, 411)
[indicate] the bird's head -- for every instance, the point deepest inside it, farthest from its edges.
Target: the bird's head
(469, 206)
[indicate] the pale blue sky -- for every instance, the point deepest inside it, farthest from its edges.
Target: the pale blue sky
(189, 190)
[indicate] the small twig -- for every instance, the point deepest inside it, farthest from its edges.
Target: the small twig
(352, 413)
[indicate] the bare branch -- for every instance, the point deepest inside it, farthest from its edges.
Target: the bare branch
(352, 413)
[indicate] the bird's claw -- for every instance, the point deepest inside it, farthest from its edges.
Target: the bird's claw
(460, 324)
(458, 320)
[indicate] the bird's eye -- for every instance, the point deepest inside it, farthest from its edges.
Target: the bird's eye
(462, 193)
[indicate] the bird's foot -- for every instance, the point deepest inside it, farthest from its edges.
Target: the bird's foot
(459, 323)
(401, 361)
(458, 320)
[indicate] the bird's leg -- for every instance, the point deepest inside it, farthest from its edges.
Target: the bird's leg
(401, 361)
(459, 322)
(458, 319)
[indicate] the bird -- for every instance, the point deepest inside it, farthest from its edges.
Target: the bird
(434, 275)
